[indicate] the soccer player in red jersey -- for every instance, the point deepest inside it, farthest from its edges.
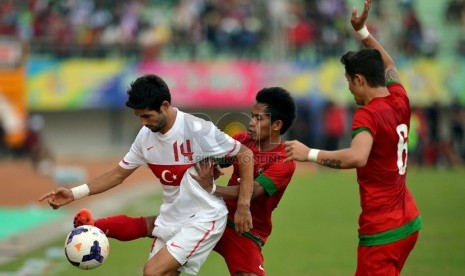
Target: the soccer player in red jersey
(389, 221)
(272, 115)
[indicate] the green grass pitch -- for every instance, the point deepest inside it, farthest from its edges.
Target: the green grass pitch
(315, 230)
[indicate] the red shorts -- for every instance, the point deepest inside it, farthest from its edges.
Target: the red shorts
(387, 259)
(240, 253)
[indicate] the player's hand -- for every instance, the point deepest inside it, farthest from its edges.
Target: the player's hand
(243, 219)
(217, 172)
(58, 197)
(296, 151)
(204, 177)
(359, 21)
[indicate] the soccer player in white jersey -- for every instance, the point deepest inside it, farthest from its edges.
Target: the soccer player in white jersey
(170, 142)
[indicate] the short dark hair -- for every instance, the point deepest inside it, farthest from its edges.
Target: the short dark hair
(279, 104)
(148, 92)
(367, 62)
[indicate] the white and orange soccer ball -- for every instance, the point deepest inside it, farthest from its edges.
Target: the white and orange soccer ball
(87, 247)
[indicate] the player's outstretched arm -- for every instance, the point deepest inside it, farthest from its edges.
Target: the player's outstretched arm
(354, 157)
(62, 196)
(358, 23)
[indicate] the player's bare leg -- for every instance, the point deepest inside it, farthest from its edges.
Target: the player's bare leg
(150, 225)
(162, 264)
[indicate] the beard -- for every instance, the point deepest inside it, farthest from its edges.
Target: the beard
(155, 128)
(160, 124)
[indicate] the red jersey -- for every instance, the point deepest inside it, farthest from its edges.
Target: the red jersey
(386, 202)
(273, 174)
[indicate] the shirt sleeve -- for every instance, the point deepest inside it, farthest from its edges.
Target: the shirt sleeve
(276, 177)
(395, 87)
(363, 120)
(399, 92)
(134, 157)
(215, 143)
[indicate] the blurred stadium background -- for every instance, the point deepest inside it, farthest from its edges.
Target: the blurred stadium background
(65, 66)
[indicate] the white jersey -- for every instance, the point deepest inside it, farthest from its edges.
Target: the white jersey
(171, 156)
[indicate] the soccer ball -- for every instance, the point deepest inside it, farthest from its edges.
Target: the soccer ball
(86, 247)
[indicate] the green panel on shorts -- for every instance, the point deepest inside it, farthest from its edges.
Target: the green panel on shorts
(249, 235)
(391, 235)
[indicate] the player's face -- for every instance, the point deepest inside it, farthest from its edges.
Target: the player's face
(260, 123)
(151, 119)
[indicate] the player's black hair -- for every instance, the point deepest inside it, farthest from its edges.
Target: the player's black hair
(279, 104)
(367, 62)
(148, 92)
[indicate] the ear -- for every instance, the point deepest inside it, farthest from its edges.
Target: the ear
(277, 125)
(359, 79)
(164, 105)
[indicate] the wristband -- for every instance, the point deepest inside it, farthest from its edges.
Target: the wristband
(212, 192)
(313, 155)
(363, 33)
(80, 191)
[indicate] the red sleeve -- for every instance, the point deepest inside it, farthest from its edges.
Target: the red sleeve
(280, 173)
(276, 177)
(396, 89)
(399, 92)
(363, 119)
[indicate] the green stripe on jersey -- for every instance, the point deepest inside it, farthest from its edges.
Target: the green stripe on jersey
(358, 130)
(391, 82)
(392, 235)
(267, 184)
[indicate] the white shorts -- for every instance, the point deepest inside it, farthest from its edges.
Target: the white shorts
(189, 244)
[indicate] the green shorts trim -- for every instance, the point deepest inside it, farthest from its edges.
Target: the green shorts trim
(249, 235)
(392, 235)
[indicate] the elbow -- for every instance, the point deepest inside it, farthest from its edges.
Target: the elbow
(358, 162)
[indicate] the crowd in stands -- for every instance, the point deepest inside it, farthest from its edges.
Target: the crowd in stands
(455, 11)
(303, 29)
(455, 14)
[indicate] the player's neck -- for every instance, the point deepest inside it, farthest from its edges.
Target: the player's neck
(268, 144)
(378, 92)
